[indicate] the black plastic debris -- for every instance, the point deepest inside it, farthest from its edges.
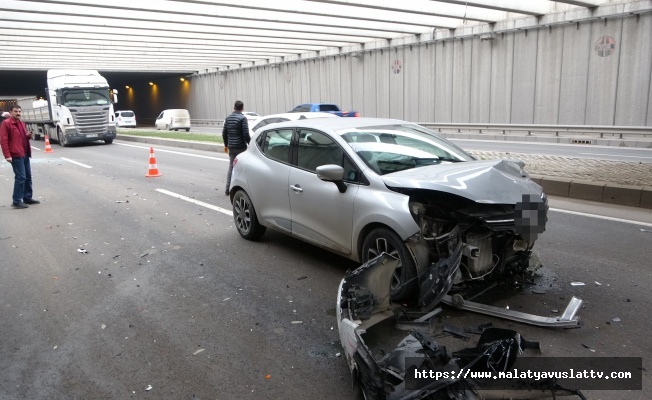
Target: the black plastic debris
(455, 331)
(302, 277)
(478, 330)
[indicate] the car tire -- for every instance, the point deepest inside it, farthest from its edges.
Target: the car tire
(187, 129)
(244, 215)
(108, 141)
(404, 284)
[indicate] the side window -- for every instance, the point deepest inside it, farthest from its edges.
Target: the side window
(315, 149)
(160, 116)
(302, 108)
(276, 144)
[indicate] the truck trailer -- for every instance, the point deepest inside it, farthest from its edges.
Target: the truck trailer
(78, 108)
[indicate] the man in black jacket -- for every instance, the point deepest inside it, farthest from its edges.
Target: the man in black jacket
(236, 137)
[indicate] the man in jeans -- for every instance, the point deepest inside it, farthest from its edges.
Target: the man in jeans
(236, 137)
(14, 140)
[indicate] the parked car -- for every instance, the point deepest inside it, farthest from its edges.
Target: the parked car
(173, 120)
(325, 107)
(363, 186)
(274, 118)
(125, 118)
(251, 116)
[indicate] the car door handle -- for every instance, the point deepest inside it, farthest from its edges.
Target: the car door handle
(296, 188)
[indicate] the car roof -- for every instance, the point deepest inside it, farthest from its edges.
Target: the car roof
(297, 115)
(338, 123)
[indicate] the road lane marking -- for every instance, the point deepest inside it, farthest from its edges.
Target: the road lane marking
(75, 162)
(173, 152)
(35, 148)
(626, 221)
(200, 203)
(613, 155)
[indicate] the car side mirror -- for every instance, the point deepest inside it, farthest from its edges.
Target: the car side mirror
(332, 173)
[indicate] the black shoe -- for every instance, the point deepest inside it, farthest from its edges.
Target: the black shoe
(31, 201)
(19, 205)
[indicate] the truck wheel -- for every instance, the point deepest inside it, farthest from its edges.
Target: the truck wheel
(61, 138)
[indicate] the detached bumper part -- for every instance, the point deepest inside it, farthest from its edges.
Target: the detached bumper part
(568, 318)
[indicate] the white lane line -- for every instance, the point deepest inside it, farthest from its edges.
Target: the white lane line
(614, 155)
(626, 221)
(35, 148)
(173, 152)
(75, 162)
(200, 203)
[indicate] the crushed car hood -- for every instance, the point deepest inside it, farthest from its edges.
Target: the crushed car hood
(491, 181)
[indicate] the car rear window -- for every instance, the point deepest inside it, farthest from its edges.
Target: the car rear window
(127, 114)
(328, 107)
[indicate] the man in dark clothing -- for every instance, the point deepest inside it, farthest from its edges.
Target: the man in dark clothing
(236, 137)
(14, 140)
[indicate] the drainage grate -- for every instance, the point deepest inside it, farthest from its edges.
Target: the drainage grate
(581, 141)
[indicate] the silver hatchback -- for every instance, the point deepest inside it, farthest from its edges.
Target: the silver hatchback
(363, 186)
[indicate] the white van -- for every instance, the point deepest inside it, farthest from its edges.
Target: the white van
(125, 118)
(173, 120)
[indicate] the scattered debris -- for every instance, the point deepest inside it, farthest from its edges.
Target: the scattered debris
(83, 251)
(297, 322)
(143, 255)
(478, 329)
(598, 283)
(554, 311)
(577, 283)
(148, 388)
(116, 256)
(122, 201)
(301, 277)
(197, 352)
(268, 376)
(628, 300)
(103, 326)
(55, 347)
(338, 354)
(586, 346)
(616, 319)
(228, 298)
(538, 291)
(645, 230)
(455, 331)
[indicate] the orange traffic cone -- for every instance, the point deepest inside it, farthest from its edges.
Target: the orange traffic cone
(153, 168)
(48, 148)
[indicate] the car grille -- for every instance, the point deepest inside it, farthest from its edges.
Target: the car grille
(90, 121)
(500, 224)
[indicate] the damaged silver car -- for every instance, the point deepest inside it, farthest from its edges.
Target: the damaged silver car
(363, 186)
(418, 367)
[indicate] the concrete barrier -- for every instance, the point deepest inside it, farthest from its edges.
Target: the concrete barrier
(585, 190)
(623, 195)
(646, 197)
(556, 186)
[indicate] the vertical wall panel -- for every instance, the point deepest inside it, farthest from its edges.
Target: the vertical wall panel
(305, 83)
(444, 77)
(411, 81)
(634, 72)
(315, 81)
(603, 72)
(462, 64)
(369, 106)
(383, 72)
(425, 84)
(574, 74)
(480, 80)
(524, 74)
(345, 83)
(357, 83)
(502, 67)
(548, 77)
(397, 63)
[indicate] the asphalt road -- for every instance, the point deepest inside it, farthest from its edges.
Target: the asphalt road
(115, 283)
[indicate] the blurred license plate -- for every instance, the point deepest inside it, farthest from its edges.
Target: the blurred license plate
(91, 135)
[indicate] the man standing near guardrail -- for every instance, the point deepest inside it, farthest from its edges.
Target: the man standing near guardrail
(14, 140)
(236, 137)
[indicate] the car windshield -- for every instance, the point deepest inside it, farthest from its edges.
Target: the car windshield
(392, 148)
(85, 97)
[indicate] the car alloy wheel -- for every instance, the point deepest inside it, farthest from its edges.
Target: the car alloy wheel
(244, 214)
(382, 240)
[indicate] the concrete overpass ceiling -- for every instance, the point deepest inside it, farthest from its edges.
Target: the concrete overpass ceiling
(185, 36)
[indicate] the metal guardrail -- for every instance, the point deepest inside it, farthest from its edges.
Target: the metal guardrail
(600, 130)
(597, 130)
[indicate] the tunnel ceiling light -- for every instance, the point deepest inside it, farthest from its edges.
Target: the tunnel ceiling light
(126, 86)
(151, 84)
(182, 79)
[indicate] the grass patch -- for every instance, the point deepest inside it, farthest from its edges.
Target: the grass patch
(195, 136)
